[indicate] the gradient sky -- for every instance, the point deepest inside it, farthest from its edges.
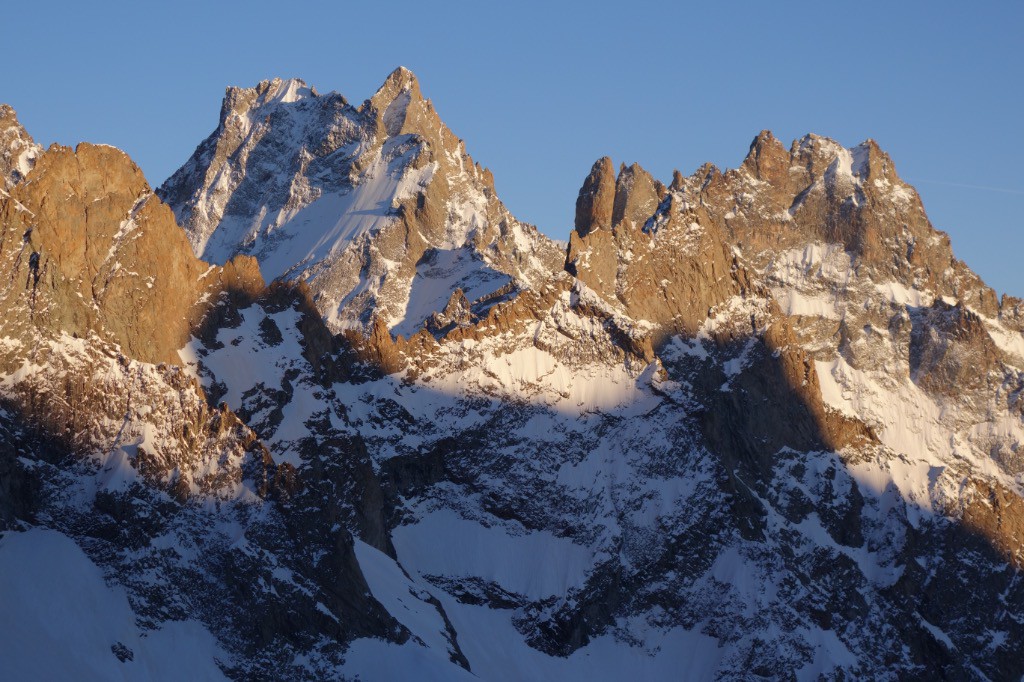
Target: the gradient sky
(541, 90)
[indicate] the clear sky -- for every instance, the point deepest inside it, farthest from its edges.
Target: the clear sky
(541, 90)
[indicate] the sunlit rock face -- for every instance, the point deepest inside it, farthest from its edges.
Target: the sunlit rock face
(754, 422)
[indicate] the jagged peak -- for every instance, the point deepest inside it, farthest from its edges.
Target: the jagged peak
(631, 171)
(865, 161)
(812, 141)
(763, 139)
(817, 152)
(596, 199)
(678, 180)
(240, 101)
(9, 120)
(876, 162)
(637, 195)
(767, 159)
(283, 90)
(391, 102)
(398, 82)
(401, 79)
(18, 151)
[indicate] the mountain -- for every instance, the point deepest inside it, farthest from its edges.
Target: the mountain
(378, 207)
(752, 423)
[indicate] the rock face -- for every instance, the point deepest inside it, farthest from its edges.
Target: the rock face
(653, 255)
(758, 422)
(359, 202)
(596, 201)
(99, 253)
(18, 152)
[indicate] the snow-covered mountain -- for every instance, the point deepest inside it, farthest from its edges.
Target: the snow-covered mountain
(378, 208)
(752, 424)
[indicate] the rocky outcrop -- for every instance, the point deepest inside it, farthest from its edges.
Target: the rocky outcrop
(596, 201)
(18, 152)
(661, 259)
(107, 257)
(996, 514)
(819, 191)
(951, 351)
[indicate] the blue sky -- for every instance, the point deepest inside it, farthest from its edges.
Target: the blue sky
(540, 90)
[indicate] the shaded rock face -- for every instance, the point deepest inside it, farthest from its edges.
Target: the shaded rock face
(950, 350)
(752, 423)
(350, 199)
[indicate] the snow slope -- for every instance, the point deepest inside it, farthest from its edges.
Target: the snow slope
(56, 600)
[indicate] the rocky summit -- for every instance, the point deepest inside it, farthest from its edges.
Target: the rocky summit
(319, 407)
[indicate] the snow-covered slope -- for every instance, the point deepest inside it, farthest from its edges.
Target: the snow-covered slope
(56, 602)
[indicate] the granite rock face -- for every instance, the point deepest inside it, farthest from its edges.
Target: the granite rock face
(101, 254)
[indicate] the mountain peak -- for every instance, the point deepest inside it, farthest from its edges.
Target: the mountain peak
(240, 101)
(18, 151)
(402, 77)
(283, 90)
(396, 98)
(637, 195)
(767, 159)
(596, 199)
(358, 201)
(399, 82)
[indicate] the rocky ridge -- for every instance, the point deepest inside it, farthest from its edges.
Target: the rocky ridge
(763, 423)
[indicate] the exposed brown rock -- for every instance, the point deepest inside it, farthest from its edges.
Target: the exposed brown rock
(768, 160)
(596, 201)
(107, 256)
(671, 272)
(637, 195)
(950, 350)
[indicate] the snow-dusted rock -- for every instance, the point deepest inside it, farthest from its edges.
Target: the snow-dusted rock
(761, 423)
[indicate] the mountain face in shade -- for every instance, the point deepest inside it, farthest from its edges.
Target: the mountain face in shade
(321, 408)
